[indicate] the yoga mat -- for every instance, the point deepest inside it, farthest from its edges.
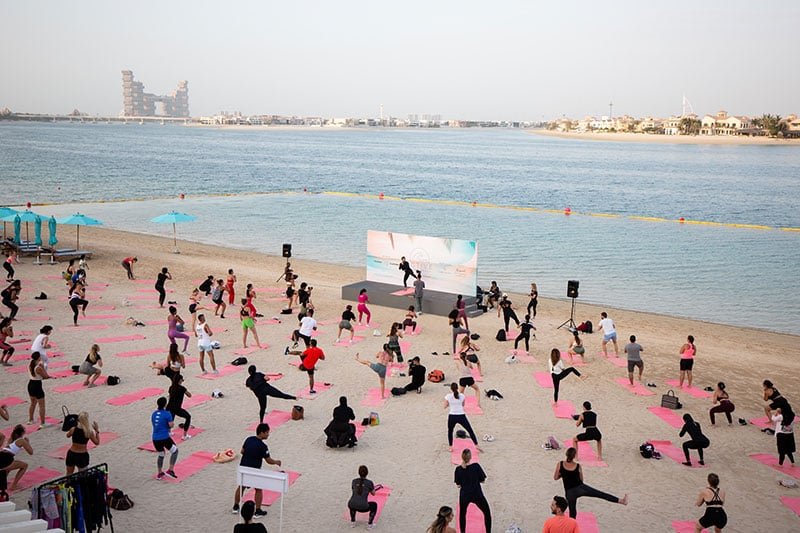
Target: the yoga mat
(23, 369)
(403, 292)
(474, 519)
(270, 496)
(27, 356)
(78, 385)
(544, 379)
(195, 400)
(563, 409)
(319, 387)
(373, 398)
(37, 476)
(667, 415)
(274, 418)
(667, 449)
(11, 401)
(189, 466)
(694, 391)
(295, 362)
(637, 388)
(587, 523)
(270, 289)
(405, 347)
(62, 374)
(224, 371)
(250, 349)
(137, 353)
(31, 318)
(617, 361)
(360, 430)
(83, 327)
(586, 453)
(471, 406)
(148, 307)
(177, 433)
(21, 340)
(380, 498)
(772, 462)
(683, 526)
(102, 317)
(105, 437)
(274, 376)
(791, 503)
(476, 375)
(459, 445)
(132, 397)
(33, 428)
(762, 422)
(345, 342)
(124, 338)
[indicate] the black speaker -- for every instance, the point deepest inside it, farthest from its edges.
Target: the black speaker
(287, 251)
(572, 288)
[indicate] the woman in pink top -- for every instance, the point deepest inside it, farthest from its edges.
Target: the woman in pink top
(687, 351)
(362, 306)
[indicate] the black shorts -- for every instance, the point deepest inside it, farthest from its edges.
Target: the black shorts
(218, 302)
(466, 382)
(6, 458)
(35, 389)
(590, 434)
(714, 517)
(472, 358)
(77, 459)
(298, 336)
(163, 445)
(634, 364)
(192, 308)
(686, 364)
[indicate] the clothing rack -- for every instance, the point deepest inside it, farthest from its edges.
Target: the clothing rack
(80, 474)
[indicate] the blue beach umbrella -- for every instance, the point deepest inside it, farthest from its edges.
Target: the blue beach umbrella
(4, 212)
(79, 220)
(24, 216)
(174, 218)
(51, 225)
(37, 231)
(17, 229)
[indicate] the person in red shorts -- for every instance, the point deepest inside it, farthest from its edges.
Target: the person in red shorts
(559, 523)
(308, 361)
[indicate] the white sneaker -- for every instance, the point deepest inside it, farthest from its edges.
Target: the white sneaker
(204, 372)
(186, 437)
(216, 372)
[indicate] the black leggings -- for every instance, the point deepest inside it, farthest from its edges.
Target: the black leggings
(373, 510)
(558, 377)
(162, 295)
(395, 349)
(9, 269)
(508, 315)
(482, 504)
(585, 490)
(461, 420)
(14, 307)
(532, 308)
(694, 445)
(726, 407)
(262, 399)
(523, 336)
(75, 304)
(407, 275)
(183, 413)
(128, 269)
(7, 349)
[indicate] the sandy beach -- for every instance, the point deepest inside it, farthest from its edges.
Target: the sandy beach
(668, 139)
(408, 451)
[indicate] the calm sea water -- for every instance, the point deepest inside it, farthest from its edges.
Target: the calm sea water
(728, 275)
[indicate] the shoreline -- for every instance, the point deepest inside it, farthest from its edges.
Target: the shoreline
(668, 139)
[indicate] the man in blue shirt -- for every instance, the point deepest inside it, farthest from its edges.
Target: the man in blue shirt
(255, 450)
(162, 424)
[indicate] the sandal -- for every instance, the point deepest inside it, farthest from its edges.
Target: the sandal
(488, 438)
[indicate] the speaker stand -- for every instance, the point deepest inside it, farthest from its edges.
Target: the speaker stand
(570, 322)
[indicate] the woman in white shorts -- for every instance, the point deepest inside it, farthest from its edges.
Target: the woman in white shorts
(205, 344)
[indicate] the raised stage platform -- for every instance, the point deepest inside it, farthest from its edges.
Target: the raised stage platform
(395, 296)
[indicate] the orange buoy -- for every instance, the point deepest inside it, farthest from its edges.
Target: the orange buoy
(681, 220)
(567, 211)
(380, 196)
(182, 196)
(474, 203)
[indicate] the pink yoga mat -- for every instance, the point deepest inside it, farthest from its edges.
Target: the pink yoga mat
(37, 476)
(102, 317)
(373, 398)
(250, 349)
(33, 428)
(189, 466)
(138, 353)
(667, 415)
(270, 497)
(83, 327)
(124, 338)
(345, 341)
(11, 401)
(616, 361)
(544, 379)
(471, 406)
(682, 526)
(667, 449)
(586, 453)
(177, 433)
(476, 375)
(474, 519)
(791, 503)
(274, 418)
(226, 370)
(762, 422)
(132, 397)
(21, 340)
(360, 430)
(459, 445)
(522, 356)
(694, 391)
(380, 498)
(23, 369)
(274, 376)
(195, 400)
(772, 462)
(149, 308)
(319, 387)
(587, 522)
(62, 374)
(403, 292)
(270, 289)
(33, 318)
(573, 361)
(78, 385)
(563, 409)
(61, 453)
(637, 388)
(405, 346)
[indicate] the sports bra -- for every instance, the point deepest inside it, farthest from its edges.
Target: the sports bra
(571, 478)
(688, 353)
(589, 419)
(12, 448)
(79, 437)
(715, 500)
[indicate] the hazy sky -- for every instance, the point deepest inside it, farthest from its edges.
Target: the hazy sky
(498, 59)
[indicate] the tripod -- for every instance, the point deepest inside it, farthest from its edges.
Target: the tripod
(570, 322)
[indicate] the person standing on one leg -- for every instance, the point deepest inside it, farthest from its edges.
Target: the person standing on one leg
(468, 477)
(558, 372)
(175, 325)
(609, 333)
(419, 291)
(525, 334)
(405, 268)
(161, 419)
(77, 301)
(571, 474)
(634, 352)
(257, 382)
(508, 312)
(308, 362)
(254, 451)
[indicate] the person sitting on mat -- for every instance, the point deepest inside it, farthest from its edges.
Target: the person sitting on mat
(697, 442)
(417, 373)
(341, 431)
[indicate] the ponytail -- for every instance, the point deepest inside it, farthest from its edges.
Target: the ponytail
(454, 388)
(439, 525)
(571, 452)
(362, 475)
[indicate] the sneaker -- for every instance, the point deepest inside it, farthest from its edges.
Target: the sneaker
(294, 346)
(205, 372)
(186, 437)
(235, 509)
(370, 526)
(286, 351)
(216, 372)
(312, 392)
(260, 513)
(171, 473)
(160, 476)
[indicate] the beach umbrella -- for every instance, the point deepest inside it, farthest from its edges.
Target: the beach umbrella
(4, 212)
(37, 231)
(78, 220)
(24, 216)
(51, 225)
(174, 218)
(17, 228)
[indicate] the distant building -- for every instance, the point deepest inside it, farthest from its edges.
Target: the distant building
(723, 124)
(137, 103)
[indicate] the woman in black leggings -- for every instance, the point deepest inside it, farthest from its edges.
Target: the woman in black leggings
(457, 416)
(558, 372)
(571, 474)
(163, 276)
(175, 404)
(469, 477)
(9, 296)
(508, 312)
(77, 301)
(525, 333)
(698, 441)
(359, 502)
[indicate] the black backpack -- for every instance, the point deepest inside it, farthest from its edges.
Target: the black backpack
(239, 361)
(398, 391)
(647, 450)
(501, 335)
